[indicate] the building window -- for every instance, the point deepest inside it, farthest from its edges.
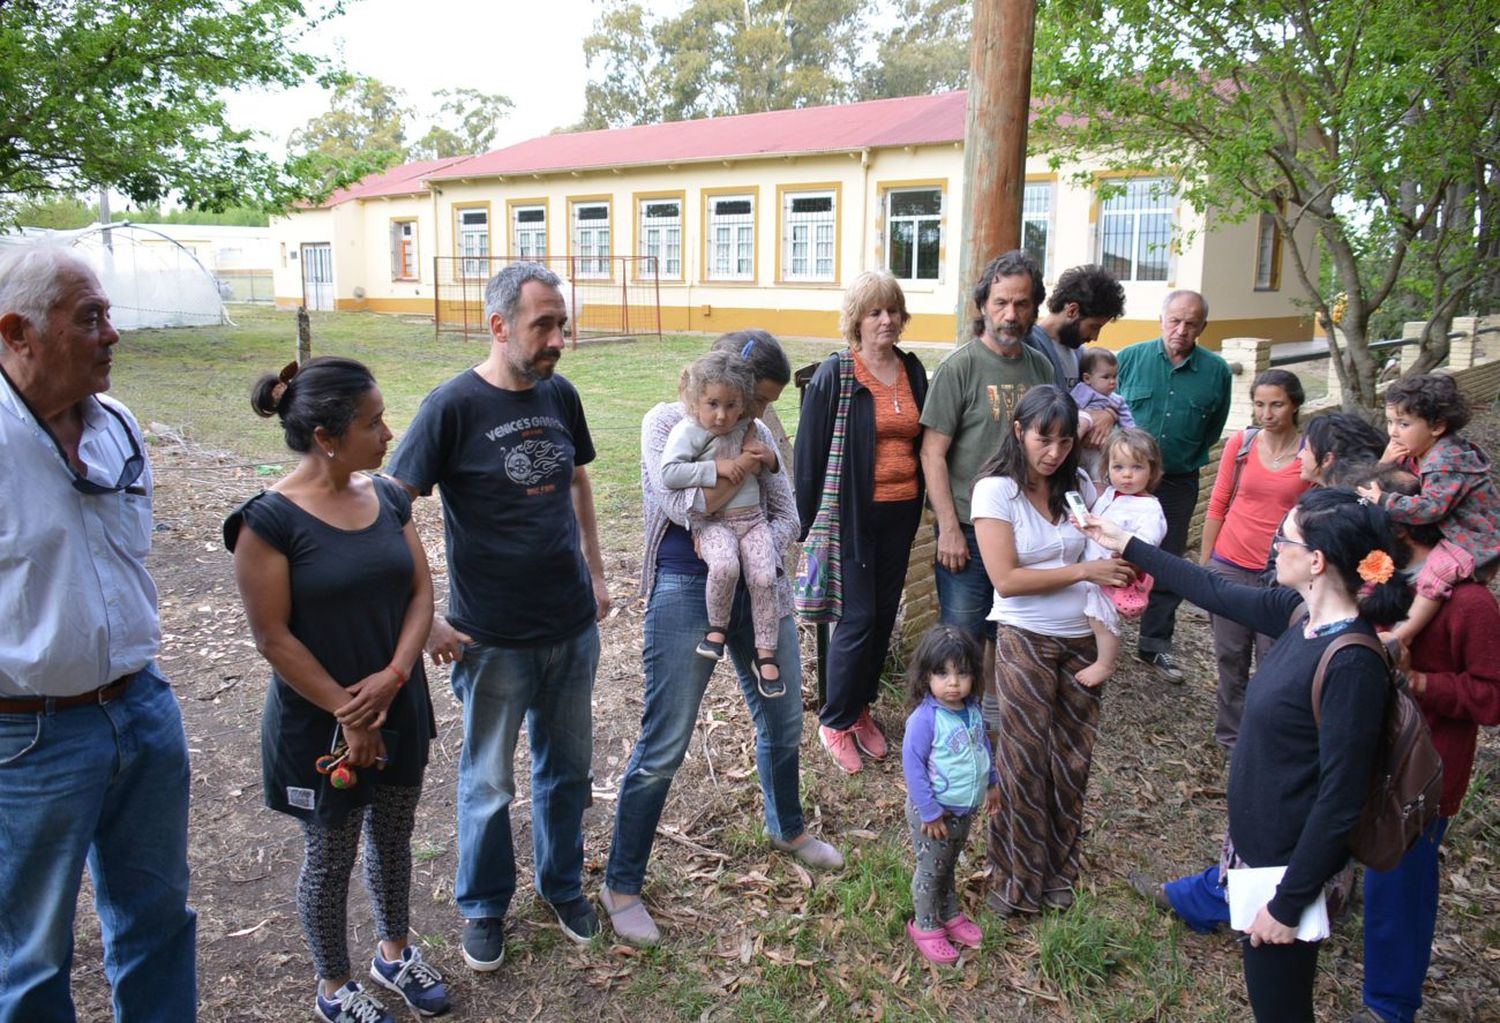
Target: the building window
(1036, 221)
(591, 239)
(661, 236)
(474, 242)
(731, 238)
(914, 230)
(529, 232)
(809, 224)
(1135, 229)
(404, 250)
(1267, 254)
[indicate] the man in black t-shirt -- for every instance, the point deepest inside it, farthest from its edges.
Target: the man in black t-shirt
(506, 443)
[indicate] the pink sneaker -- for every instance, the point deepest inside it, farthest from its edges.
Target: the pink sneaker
(964, 931)
(840, 745)
(869, 737)
(933, 945)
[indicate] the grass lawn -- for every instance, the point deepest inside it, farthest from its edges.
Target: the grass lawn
(197, 380)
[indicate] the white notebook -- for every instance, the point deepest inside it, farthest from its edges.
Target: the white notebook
(1250, 888)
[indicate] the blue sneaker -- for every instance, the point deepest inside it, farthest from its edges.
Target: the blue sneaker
(413, 979)
(350, 1004)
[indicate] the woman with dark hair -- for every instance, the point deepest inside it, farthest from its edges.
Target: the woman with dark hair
(1336, 444)
(339, 598)
(1296, 788)
(880, 501)
(1259, 480)
(1045, 718)
(673, 579)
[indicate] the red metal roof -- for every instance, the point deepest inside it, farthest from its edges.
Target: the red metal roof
(912, 120)
(406, 179)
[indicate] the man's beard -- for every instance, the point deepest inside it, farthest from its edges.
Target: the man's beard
(998, 333)
(539, 367)
(1070, 334)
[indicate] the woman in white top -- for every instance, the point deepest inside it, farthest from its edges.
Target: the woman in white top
(1045, 718)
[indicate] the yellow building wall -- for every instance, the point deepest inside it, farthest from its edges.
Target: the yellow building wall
(1213, 256)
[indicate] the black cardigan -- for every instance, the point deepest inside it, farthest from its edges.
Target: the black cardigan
(1295, 790)
(820, 405)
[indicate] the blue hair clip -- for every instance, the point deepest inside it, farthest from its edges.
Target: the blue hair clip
(749, 345)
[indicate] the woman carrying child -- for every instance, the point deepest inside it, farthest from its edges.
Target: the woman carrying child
(1259, 481)
(734, 541)
(1423, 415)
(949, 775)
(339, 598)
(880, 500)
(1046, 717)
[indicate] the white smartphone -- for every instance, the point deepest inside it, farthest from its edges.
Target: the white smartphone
(1077, 507)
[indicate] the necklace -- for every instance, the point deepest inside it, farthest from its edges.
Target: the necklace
(1286, 452)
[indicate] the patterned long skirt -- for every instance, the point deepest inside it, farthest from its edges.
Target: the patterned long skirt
(1046, 724)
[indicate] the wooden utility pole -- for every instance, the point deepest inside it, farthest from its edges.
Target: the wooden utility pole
(999, 114)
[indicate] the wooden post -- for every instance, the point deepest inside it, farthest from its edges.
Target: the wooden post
(999, 114)
(304, 336)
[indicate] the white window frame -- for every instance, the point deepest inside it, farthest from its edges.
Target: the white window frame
(661, 236)
(404, 265)
(473, 241)
(1038, 216)
(731, 240)
(529, 239)
(1153, 197)
(814, 234)
(591, 243)
(916, 220)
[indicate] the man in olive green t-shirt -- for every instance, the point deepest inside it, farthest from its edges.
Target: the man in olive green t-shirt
(968, 409)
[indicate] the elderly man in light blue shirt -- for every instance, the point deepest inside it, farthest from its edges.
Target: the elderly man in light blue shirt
(93, 759)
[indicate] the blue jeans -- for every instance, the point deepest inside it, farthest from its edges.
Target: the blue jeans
(107, 786)
(551, 688)
(1400, 915)
(966, 598)
(676, 678)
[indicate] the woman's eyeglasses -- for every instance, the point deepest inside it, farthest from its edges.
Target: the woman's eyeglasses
(1280, 540)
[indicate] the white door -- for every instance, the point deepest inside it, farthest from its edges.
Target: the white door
(317, 277)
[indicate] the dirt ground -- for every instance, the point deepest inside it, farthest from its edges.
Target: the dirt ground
(1156, 802)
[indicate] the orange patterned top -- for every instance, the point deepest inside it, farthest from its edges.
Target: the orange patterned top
(896, 428)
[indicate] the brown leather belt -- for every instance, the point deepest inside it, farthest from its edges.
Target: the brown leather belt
(48, 704)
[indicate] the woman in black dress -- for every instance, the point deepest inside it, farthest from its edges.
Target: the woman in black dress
(339, 597)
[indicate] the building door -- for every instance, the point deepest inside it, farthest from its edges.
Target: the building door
(317, 277)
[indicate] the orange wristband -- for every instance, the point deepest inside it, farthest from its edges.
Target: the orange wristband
(403, 676)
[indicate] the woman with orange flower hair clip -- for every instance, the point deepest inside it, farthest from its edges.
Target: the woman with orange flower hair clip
(1296, 786)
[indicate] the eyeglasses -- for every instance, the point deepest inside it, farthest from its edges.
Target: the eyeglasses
(1280, 540)
(130, 472)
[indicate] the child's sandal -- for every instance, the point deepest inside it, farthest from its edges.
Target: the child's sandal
(712, 649)
(964, 931)
(770, 688)
(933, 945)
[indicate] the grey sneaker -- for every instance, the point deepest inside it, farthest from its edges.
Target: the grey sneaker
(484, 943)
(1166, 666)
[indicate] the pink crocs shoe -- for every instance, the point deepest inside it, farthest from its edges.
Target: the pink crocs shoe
(933, 945)
(964, 931)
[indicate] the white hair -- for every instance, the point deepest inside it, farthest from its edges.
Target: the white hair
(33, 277)
(503, 293)
(1173, 296)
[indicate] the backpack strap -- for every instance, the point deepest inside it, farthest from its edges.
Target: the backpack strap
(1247, 435)
(1343, 643)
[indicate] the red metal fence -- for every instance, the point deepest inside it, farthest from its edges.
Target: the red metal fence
(607, 296)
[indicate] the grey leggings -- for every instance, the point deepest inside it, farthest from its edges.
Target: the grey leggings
(932, 891)
(323, 886)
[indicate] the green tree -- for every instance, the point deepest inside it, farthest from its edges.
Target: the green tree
(926, 52)
(721, 57)
(364, 128)
(1371, 121)
(475, 117)
(125, 93)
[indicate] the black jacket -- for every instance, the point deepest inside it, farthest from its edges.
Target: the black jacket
(820, 405)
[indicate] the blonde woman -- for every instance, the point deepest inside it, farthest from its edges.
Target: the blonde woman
(880, 500)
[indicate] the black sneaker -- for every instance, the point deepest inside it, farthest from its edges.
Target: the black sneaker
(1165, 666)
(484, 943)
(577, 919)
(413, 979)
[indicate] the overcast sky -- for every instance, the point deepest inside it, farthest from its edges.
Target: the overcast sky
(528, 50)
